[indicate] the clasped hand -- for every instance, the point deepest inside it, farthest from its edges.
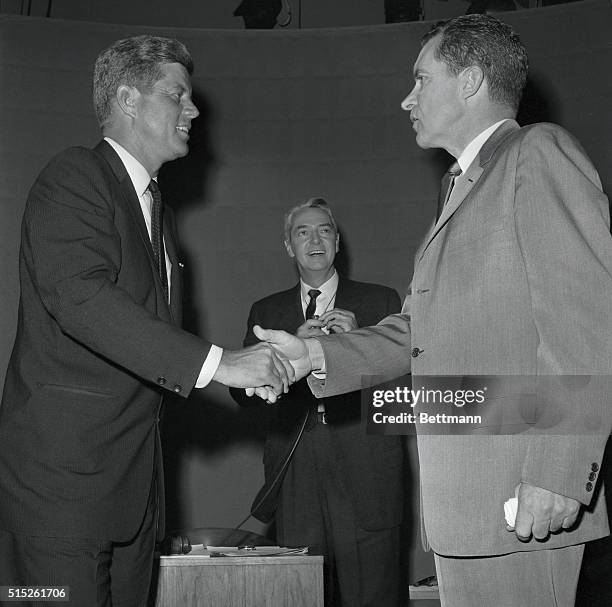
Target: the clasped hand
(292, 350)
(258, 365)
(332, 321)
(542, 512)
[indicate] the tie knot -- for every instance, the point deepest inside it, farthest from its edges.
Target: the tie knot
(314, 293)
(154, 189)
(455, 170)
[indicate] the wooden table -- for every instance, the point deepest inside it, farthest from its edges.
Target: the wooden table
(272, 581)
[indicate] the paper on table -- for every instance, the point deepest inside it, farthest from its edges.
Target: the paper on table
(255, 550)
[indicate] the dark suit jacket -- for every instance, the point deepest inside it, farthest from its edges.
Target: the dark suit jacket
(372, 465)
(97, 347)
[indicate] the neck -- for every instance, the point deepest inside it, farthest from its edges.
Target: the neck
(476, 124)
(316, 279)
(132, 147)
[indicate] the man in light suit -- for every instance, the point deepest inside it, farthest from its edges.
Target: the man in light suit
(341, 492)
(513, 281)
(99, 344)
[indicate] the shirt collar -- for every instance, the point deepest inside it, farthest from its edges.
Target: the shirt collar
(328, 288)
(138, 174)
(472, 148)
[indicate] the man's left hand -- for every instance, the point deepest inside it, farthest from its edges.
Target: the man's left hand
(542, 512)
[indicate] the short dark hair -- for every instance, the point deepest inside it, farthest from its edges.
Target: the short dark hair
(484, 41)
(135, 62)
(311, 203)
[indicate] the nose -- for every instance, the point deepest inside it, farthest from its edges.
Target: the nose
(316, 237)
(409, 102)
(191, 110)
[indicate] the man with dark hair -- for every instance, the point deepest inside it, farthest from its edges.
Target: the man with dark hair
(329, 485)
(99, 343)
(513, 281)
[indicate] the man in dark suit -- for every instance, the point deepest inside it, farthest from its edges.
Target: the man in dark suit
(99, 343)
(513, 281)
(342, 490)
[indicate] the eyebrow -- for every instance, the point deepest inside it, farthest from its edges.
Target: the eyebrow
(311, 225)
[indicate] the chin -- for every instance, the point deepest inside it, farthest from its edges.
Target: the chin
(423, 143)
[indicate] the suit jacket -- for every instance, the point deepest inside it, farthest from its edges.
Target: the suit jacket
(372, 465)
(97, 347)
(514, 281)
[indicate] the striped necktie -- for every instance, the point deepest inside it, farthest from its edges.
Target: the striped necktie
(157, 234)
(312, 304)
(446, 187)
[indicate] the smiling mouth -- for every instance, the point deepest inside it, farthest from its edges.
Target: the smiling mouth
(316, 252)
(183, 129)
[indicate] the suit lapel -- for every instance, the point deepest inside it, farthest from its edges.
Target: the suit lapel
(290, 312)
(132, 202)
(466, 184)
(346, 298)
(176, 285)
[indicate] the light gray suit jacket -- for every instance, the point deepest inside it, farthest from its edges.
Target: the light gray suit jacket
(514, 281)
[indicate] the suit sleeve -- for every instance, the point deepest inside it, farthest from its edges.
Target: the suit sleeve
(73, 251)
(562, 225)
(364, 357)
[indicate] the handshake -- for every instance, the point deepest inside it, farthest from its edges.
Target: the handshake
(270, 367)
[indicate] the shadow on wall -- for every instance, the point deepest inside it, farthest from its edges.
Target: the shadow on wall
(204, 422)
(537, 104)
(186, 184)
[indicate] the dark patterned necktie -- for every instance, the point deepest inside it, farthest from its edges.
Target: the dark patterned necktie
(157, 234)
(446, 187)
(312, 304)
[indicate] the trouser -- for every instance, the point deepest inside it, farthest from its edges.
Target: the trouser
(98, 572)
(536, 578)
(362, 567)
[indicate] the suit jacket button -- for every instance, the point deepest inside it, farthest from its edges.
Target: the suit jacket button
(177, 388)
(589, 487)
(161, 381)
(594, 467)
(416, 352)
(592, 476)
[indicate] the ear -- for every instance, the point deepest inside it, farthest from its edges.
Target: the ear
(472, 78)
(289, 249)
(127, 97)
(337, 242)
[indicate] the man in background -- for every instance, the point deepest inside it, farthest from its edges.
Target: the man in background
(513, 281)
(99, 344)
(334, 488)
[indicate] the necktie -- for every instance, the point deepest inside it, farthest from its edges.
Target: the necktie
(312, 304)
(446, 187)
(157, 234)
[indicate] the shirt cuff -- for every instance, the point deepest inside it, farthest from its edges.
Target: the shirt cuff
(209, 368)
(317, 358)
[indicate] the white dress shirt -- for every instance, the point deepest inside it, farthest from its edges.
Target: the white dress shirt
(326, 300)
(473, 148)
